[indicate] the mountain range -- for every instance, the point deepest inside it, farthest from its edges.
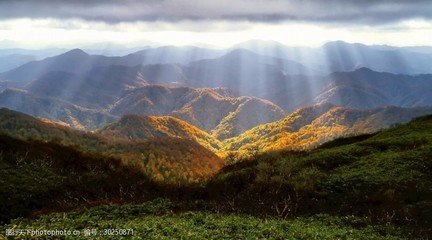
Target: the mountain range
(342, 56)
(239, 99)
(95, 81)
(78, 62)
(365, 88)
(304, 129)
(213, 110)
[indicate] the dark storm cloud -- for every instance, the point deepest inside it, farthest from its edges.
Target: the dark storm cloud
(111, 11)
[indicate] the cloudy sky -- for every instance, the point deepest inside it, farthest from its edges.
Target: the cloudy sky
(38, 23)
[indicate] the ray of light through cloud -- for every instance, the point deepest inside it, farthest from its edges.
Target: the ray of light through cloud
(288, 23)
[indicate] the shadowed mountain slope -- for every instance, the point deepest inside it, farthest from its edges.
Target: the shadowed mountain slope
(365, 88)
(45, 176)
(12, 61)
(54, 109)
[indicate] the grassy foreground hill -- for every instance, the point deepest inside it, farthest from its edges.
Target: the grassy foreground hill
(384, 177)
(375, 186)
(36, 175)
(160, 219)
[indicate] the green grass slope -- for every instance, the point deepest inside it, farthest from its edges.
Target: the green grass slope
(375, 186)
(158, 220)
(385, 177)
(37, 175)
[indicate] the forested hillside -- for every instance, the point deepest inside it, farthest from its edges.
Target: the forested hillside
(168, 158)
(312, 126)
(372, 185)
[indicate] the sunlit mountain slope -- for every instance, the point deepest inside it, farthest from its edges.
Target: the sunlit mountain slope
(311, 126)
(148, 127)
(212, 110)
(369, 176)
(165, 158)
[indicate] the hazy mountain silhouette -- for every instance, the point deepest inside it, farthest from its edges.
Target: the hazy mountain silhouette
(176, 55)
(55, 109)
(97, 88)
(12, 61)
(365, 88)
(77, 61)
(343, 56)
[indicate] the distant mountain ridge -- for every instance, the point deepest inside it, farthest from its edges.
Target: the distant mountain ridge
(55, 109)
(77, 61)
(287, 83)
(97, 88)
(342, 56)
(12, 61)
(364, 88)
